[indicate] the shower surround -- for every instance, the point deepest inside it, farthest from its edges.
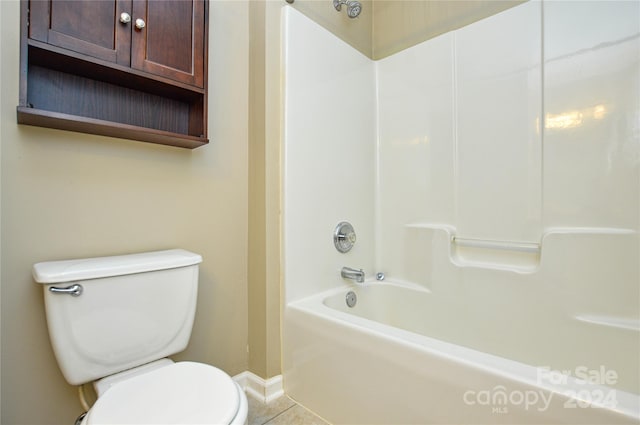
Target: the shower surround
(493, 171)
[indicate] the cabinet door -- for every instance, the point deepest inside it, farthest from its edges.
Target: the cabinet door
(91, 27)
(171, 40)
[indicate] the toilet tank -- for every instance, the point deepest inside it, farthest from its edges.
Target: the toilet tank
(132, 309)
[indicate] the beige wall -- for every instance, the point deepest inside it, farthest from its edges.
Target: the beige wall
(264, 189)
(67, 195)
(258, 341)
(356, 32)
(385, 27)
(273, 119)
(2, 74)
(401, 24)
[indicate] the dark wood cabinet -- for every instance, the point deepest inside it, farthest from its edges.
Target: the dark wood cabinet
(89, 27)
(171, 43)
(125, 68)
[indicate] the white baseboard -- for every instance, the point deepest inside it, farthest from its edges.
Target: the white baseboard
(260, 389)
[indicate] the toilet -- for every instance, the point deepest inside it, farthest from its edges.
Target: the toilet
(115, 320)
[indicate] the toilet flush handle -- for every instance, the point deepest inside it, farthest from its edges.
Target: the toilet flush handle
(73, 290)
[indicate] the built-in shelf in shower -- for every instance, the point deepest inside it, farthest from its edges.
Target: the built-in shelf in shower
(515, 256)
(520, 257)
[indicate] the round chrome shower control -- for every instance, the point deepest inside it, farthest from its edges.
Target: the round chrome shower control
(344, 237)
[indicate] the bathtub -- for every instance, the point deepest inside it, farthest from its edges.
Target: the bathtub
(375, 364)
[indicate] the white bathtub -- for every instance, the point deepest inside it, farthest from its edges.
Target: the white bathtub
(374, 364)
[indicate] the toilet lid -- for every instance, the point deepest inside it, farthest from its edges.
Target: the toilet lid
(181, 393)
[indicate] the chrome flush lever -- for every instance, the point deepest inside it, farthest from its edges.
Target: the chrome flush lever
(73, 290)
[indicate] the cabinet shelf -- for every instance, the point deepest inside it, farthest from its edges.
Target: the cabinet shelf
(46, 55)
(62, 121)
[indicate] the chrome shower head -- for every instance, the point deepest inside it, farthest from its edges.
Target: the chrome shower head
(354, 7)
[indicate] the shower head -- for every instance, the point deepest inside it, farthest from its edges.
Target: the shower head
(354, 7)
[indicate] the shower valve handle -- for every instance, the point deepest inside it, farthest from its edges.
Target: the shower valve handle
(344, 237)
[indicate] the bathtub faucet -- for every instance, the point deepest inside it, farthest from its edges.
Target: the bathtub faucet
(353, 274)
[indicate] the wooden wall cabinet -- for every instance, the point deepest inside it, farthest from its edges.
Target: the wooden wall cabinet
(134, 69)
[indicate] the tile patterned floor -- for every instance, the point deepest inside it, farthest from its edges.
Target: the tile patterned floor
(282, 411)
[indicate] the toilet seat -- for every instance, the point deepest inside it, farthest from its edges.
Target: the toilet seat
(180, 393)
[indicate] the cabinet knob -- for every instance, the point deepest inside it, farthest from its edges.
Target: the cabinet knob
(140, 23)
(125, 18)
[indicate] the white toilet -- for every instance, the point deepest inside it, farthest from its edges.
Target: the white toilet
(114, 320)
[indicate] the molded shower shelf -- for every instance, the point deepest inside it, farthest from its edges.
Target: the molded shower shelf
(519, 257)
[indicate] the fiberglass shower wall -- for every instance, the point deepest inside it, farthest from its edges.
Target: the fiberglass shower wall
(458, 129)
(508, 176)
(504, 135)
(329, 155)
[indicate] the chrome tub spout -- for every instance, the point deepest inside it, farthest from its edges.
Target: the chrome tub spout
(353, 274)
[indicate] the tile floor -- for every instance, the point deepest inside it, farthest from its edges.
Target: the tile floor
(282, 411)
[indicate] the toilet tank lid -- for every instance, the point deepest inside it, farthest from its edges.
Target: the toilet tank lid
(94, 268)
